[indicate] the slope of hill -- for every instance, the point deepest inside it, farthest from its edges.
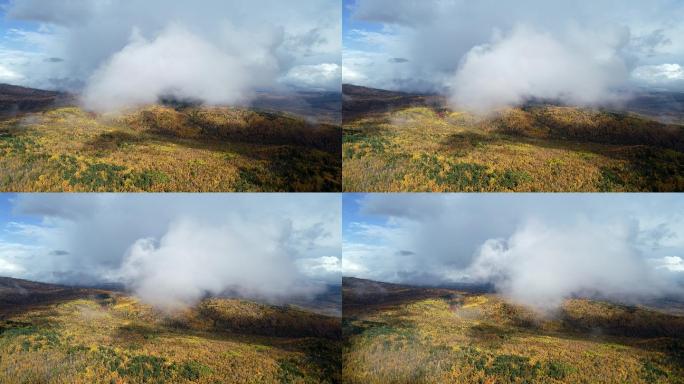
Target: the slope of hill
(71, 335)
(15, 99)
(358, 101)
(15, 293)
(402, 334)
(419, 145)
(162, 148)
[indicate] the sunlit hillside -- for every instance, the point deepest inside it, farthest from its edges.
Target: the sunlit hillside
(68, 335)
(414, 143)
(166, 148)
(406, 334)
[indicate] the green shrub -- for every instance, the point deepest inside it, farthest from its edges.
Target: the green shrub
(288, 371)
(193, 370)
(558, 370)
(651, 372)
(513, 367)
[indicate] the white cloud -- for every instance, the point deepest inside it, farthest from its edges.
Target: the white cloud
(324, 267)
(351, 268)
(8, 76)
(15, 257)
(540, 265)
(357, 258)
(670, 263)
(325, 76)
(584, 69)
(8, 268)
(355, 68)
(659, 74)
(193, 259)
(177, 63)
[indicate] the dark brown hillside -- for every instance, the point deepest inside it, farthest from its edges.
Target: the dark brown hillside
(15, 99)
(358, 101)
(17, 293)
(359, 293)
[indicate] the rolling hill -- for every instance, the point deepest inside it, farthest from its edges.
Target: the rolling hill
(395, 141)
(403, 334)
(47, 143)
(57, 334)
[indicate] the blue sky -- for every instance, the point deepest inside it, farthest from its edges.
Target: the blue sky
(9, 215)
(8, 24)
(5, 207)
(15, 49)
(17, 245)
(352, 215)
(350, 25)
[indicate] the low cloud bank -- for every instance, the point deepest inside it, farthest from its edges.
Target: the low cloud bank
(540, 266)
(178, 64)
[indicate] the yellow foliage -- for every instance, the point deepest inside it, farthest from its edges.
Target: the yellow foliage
(476, 338)
(519, 150)
(109, 337)
(161, 149)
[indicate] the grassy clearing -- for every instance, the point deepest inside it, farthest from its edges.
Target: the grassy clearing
(164, 149)
(116, 339)
(533, 149)
(483, 339)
